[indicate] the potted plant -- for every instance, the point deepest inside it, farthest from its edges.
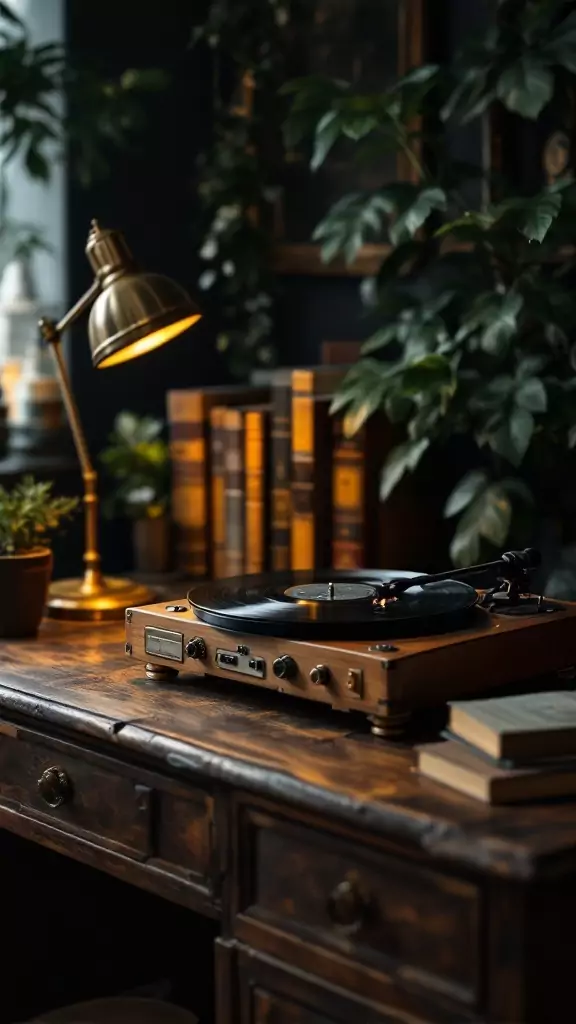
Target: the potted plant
(474, 301)
(137, 460)
(28, 515)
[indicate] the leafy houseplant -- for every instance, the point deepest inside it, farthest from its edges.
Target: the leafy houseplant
(99, 113)
(475, 307)
(250, 43)
(28, 515)
(137, 460)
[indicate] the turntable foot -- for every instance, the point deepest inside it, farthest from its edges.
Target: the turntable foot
(391, 723)
(161, 673)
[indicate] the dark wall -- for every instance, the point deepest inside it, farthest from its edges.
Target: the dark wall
(147, 194)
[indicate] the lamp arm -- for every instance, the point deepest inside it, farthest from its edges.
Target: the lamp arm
(52, 334)
(83, 304)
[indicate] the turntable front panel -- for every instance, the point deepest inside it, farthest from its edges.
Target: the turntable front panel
(493, 651)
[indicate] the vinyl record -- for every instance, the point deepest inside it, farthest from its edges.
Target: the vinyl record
(331, 605)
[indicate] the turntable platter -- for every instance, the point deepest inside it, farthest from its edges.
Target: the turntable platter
(329, 604)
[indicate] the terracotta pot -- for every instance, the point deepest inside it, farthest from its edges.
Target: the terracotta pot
(24, 583)
(151, 541)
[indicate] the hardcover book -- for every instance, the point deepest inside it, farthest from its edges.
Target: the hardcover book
(188, 413)
(311, 533)
(457, 765)
(524, 727)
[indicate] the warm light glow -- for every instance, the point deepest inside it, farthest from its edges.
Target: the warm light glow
(149, 342)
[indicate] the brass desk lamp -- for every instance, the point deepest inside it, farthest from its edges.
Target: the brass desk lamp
(132, 313)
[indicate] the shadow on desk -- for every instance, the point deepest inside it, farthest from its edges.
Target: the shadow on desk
(72, 934)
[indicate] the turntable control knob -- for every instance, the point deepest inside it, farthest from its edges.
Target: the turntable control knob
(320, 675)
(285, 667)
(196, 649)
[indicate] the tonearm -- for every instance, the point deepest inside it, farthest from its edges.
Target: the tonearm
(512, 571)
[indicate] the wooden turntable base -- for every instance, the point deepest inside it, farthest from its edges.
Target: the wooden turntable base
(385, 680)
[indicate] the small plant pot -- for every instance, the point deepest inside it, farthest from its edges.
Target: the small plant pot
(151, 542)
(24, 583)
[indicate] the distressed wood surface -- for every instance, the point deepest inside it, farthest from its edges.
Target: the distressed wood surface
(77, 678)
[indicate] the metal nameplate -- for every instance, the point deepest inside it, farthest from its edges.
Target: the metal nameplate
(164, 643)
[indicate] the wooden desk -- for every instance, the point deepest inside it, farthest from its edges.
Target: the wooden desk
(345, 887)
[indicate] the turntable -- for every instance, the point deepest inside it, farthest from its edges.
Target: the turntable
(384, 643)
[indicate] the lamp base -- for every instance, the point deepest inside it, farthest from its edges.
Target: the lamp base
(68, 599)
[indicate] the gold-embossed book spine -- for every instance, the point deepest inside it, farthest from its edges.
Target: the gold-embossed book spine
(187, 439)
(311, 532)
(349, 542)
(234, 491)
(217, 486)
(281, 473)
(256, 448)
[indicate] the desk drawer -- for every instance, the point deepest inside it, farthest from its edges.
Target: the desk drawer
(390, 914)
(50, 779)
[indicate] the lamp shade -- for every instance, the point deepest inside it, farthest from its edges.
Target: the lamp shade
(135, 311)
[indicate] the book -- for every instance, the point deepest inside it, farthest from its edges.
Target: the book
(311, 457)
(256, 463)
(457, 765)
(357, 513)
(523, 727)
(340, 352)
(281, 493)
(217, 485)
(188, 412)
(234, 490)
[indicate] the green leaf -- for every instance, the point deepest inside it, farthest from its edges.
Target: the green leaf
(500, 323)
(402, 459)
(397, 407)
(465, 491)
(382, 338)
(356, 128)
(472, 223)
(531, 395)
(521, 431)
(430, 373)
(327, 132)
(465, 545)
(489, 517)
(361, 412)
(496, 516)
(418, 76)
(541, 215)
(343, 398)
(526, 87)
(411, 219)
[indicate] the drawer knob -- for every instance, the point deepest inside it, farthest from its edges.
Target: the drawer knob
(54, 787)
(347, 906)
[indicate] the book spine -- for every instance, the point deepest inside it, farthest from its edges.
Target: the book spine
(188, 453)
(311, 478)
(349, 529)
(256, 460)
(234, 491)
(217, 485)
(281, 476)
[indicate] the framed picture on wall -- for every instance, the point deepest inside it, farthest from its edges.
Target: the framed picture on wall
(369, 43)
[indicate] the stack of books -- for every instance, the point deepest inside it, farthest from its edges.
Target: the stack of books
(264, 478)
(507, 749)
